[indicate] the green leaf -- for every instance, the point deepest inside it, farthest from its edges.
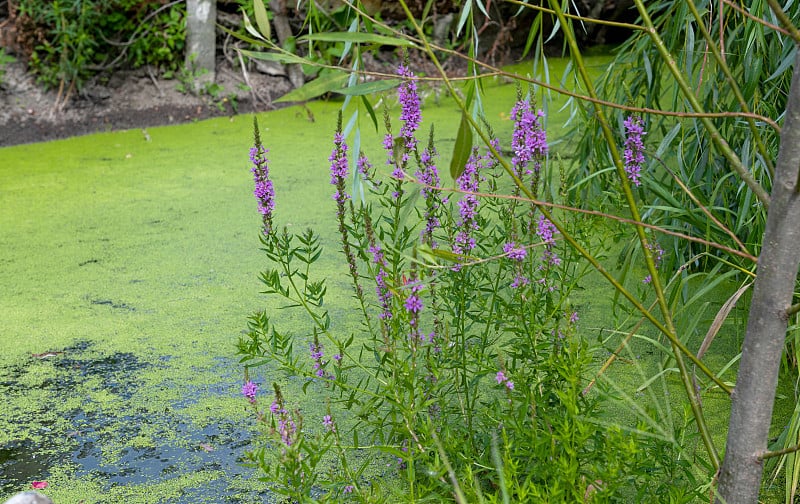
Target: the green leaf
(368, 87)
(248, 25)
(462, 148)
(370, 111)
(275, 56)
(261, 19)
(357, 37)
(318, 87)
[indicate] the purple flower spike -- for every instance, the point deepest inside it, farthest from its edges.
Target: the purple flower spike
(410, 114)
(634, 148)
(327, 421)
(529, 140)
(264, 190)
(501, 377)
(338, 159)
(249, 390)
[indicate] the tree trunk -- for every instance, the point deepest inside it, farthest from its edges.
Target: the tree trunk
(754, 395)
(201, 39)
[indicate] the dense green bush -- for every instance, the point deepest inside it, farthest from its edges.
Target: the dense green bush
(69, 41)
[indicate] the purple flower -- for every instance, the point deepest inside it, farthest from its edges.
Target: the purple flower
(468, 181)
(382, 289)
(316, 351)
(275, 407)
(249, 390)
(502, 379)
(316, 355)
(634, 148)
(545, 230)
(410, 114)
(349, 489)
(363, 166)
(573, 318)
(264, 190)
(520, 281)
(658, 254)
(513, 252)
(327, 421)
(413, 304)
(529, 140)
(338, 159)
(429, 176)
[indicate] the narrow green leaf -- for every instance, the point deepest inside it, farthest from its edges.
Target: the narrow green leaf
(248, 25)
(368, 87)
(370, 111)
(462, 148)
(275, 56)
(357, 37)
(462, 20)
(317, 87)
(261, 19)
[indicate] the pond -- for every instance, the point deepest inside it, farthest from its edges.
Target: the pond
(129, 268)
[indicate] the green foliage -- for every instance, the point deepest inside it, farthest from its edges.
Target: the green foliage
(73, 40)
(480, 392)
(682, 148)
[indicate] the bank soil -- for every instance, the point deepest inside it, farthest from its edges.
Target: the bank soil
(129, 99)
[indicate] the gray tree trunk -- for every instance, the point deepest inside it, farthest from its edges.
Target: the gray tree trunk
(201, 39)
(754, 395)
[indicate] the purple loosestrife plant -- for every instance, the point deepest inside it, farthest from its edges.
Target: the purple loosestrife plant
(339, 171)
(546, 231)
(400, 389)
(428, 175)
(264, 190)
(469, 182)
(658, 255)
(633, 154)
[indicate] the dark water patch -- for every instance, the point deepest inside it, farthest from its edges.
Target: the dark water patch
(112, 304)
(118, 439)
(20, 463)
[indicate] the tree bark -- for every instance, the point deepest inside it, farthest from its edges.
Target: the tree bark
(201, 39)
(754, 395)
(284, 32)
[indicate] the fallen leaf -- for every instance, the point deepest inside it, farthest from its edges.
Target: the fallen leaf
(206, 447)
